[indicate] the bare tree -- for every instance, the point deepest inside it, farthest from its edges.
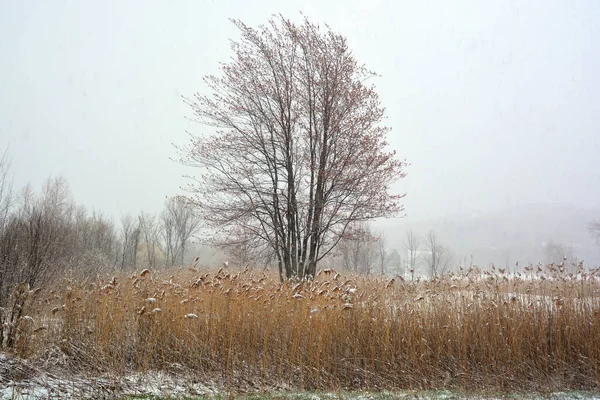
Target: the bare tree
(299, 151)
(130, 237)
(34, 245)
(246, 249)
(150, 238)
(94, 244)
(382, 252)
(5, 189)
(8, 261)
(41, 235)
(437, 258)
(49, 219)
(105, 238)
(411, 246)
(179, 224)
(595, 229)
(358, 248)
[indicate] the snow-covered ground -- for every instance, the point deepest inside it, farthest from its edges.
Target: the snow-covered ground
(19, 380)
(44, 393)
(150, 384)
(31, 383)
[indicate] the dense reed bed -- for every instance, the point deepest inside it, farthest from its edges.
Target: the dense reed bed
(468, 331)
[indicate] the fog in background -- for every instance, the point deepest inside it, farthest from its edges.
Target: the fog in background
(494, 104)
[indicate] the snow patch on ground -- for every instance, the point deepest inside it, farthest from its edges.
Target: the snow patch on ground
(20, 380)
(151, 384)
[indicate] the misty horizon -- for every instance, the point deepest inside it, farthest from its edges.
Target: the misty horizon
(493, 105)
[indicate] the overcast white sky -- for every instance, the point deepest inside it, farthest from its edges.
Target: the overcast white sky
(493, 103)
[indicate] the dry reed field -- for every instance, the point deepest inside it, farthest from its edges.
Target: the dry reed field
(475, 330)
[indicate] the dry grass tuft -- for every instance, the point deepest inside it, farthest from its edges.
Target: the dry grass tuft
(474, 331)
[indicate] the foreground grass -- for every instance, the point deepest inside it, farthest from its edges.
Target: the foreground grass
(426, 395)
(238, 329)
